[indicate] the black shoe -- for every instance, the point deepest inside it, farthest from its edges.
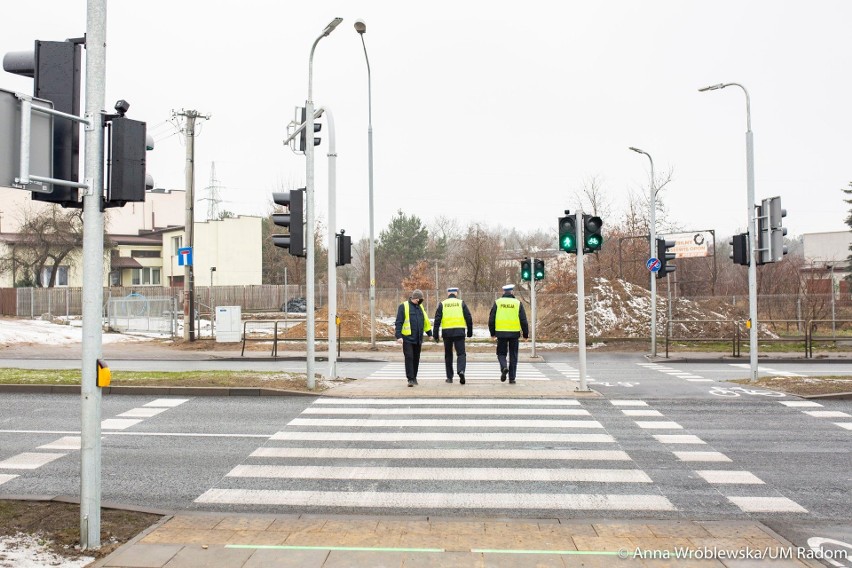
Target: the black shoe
(511, 381)
(415, 382)
(449, 380)
(411, 382)
(461, 378)
(503, 374)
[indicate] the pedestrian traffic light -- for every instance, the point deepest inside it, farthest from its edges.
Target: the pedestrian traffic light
(771, 233)
(592, 238)
(344, 249)
(664, 256)
(568, 233)
(526, 270)
(127, 147)
(539, 269)
(739, 249)
(303, 136)
(55, 69)
(294, 219)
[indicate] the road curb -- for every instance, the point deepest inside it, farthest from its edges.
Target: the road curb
(156, 391)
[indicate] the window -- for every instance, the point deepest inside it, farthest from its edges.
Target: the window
(61, 276)
(145, 277)
(145, 254)
(177, 243)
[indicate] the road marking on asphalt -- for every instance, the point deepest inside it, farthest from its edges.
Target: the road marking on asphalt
(442, 473)
(767, 370)
(767, 505)
(6, 477)
(452, 411)
(450, 401)
(142, 412)
(800, 403)
(847, 425)
(444, 437)
(648, 412)
(431, 453)
(167, 402)
(659, 424)
(64, 443)
(430, 370)
(119, 423)
(700, 380)
(701, 456)
(679, 439)
(437, 423)
(29, 460)
(628, 403)
(374, 499)
(827, 414)
(729, 477)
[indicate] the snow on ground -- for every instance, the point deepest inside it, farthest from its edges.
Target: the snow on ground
(27, 551)
(49, 333)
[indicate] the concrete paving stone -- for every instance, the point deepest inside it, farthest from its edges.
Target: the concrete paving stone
(201, 536)
(457, 527)
(735, 529)
(442, 560)
(309, 539)
(144, 556)
(728, 543)
(654, 543)
(677, 529)
(623, 529)
(245, 523)
(410, 527)
(160, 537)
(677, 563)
(350, 526)
(292, 525)
(571, 561)
(761, 563)
(569, 529)
(370, 540)
(602, 543)
(348, 559)
(194, 521)
(420, 541)
(522, 560)
(267, 538)
(286, 559)
(212, 557)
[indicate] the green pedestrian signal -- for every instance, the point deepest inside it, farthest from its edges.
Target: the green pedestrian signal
(568, 234)
(526, 271)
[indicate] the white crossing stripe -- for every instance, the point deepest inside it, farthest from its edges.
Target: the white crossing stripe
(569, 372)
(628, 403)
(167, 402)
(373, 499)
(142, 412)
(767, 370)
(453, 411)
(800, 403)
(433, 423)
(64, 443)
(659, 424)
(649, 412)
(767, 505)
(847, 425)
(442, 473)
(29, 460)
(701, 456)
(827, 414)
(431, 453)
(4, 478)
(700, 380)
(451, 401)
(432, 370)
(119, 423)
(445, 437)
(679, 439)
(723, 477)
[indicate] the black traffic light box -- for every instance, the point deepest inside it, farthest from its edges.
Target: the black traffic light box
(303, 137)
(126, 161)
(526, 270)
(568, 233)
(739, 249)
(344, 249)
(294, 219)
(538, 269)
(592, 238)
(664, 256)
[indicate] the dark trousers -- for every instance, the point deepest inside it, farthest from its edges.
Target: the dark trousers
(412, 358)
(508, 345)
(458, 342)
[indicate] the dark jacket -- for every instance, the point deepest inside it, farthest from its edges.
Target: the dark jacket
(522, 315)
(455, 331)
(415, 317)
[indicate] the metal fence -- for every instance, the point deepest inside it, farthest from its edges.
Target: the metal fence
(136, 313)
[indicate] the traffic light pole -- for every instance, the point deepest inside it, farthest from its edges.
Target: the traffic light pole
(332, 245)
(581, 305)
(93, 266)
(533, 306)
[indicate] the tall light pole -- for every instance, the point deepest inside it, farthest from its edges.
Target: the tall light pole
(310, 277)
(653, 238)
(752, 231)
(361, 28)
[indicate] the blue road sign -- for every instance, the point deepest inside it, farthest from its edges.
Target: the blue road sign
(185, 256)
(653, 264)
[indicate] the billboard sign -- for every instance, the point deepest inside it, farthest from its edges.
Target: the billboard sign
(692, 245)
(41, 141)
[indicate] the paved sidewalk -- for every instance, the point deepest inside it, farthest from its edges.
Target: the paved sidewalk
(246, 541)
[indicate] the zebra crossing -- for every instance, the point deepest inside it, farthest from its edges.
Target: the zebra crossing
(476, 370)
(436, 456)
(679, 373)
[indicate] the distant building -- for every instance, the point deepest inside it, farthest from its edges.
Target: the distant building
(826, 261)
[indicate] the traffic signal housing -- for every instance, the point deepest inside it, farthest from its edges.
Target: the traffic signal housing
(664, 257)
(592, 238)
(568, 233)
(344, 249)
(303, 136)
(770, 238)
(526, 270)
(739, 249)
(127, 150)
(538, 269)
(294, 200)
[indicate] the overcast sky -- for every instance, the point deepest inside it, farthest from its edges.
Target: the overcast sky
(493, 112)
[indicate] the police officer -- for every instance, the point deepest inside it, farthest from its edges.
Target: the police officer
(454, 316)
(507, 322)
(411, 323)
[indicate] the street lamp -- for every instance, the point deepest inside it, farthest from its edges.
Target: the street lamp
(212, 270)
(752, 230)
(310, 277)
(653, 243)
(361, 28)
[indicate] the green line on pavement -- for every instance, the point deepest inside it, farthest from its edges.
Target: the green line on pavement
(342, 548)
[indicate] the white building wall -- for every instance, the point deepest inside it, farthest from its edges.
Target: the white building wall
(827, 248)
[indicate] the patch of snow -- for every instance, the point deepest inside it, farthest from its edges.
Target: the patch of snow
(48, 333)
(28, 551)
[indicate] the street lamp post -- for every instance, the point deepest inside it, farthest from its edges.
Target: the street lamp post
(361, 28)
(653, 238)
(752, 231)
(310, 277)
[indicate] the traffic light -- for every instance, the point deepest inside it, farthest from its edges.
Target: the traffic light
(294, 219)
(303, 136)
(739, 249)
(568, 233)
(592, 238)
(770, 239)
(664, 256)
(526, 270)
(539, 269)
(344, 249)
(55, 69)
(126, 158)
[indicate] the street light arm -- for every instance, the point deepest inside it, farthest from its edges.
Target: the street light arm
(748, 98)
(369, 84)
(328, 29)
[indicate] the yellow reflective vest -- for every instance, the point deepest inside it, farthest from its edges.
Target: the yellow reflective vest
(452, 314)
(406, 325)
(508, 316)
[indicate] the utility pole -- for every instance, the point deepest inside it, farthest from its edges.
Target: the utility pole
(188, 274)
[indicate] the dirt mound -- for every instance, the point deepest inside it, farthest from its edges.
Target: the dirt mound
(352, 325)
